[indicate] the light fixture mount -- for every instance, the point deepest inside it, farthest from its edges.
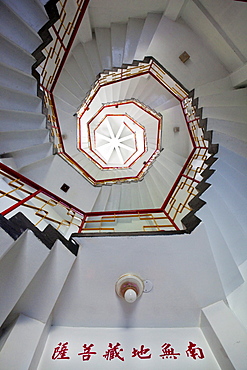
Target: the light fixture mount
(129, 287)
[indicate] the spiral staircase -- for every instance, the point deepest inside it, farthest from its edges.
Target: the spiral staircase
(45, 272)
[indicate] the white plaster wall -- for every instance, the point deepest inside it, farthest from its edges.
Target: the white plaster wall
(182, 270)
(129, 339)
(172, 39)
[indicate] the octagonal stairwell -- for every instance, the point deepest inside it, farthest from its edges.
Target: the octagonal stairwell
(28, 277)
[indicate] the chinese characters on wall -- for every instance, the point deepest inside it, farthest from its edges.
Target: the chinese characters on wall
(61, 352)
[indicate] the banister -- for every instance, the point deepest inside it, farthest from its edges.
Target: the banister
(39, 188)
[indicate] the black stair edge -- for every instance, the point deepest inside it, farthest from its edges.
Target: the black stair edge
(53, 15)
(16, 225)
(191, 221)
(44, 33)
(128, 233)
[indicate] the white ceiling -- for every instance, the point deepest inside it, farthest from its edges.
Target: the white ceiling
(103, 13)
(181, 268)
(221, 24)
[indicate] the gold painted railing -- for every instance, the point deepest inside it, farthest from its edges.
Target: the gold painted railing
(148, 222)
(41, 207)
(19, 194)
(63, 33)
(177, 203)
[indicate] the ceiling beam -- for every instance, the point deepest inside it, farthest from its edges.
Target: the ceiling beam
(174, 8)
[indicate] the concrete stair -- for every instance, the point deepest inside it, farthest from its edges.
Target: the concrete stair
(32, 275)
(25, 262)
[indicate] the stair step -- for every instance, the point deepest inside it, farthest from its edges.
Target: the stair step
(125, 86)
(38, 300)
(9, 161)
(154, 190)
(22, 61)
(234, 98)
(233, 114)
(235, 129)
(235, 172)
(116, 87)
(30, 11)
(228, 224)
(92, 53)
(133, 33)
(6, 243)
(228, 270)
(166, 169)
(65, 94)
(61, 105)
(237, 299)
(16, 140)
(103, 39)
(101, 201)
(160, 180)
(125, 199)
(213, 318)
(161, 104)
(233, 161)
(109, 93)
(70, 84)
(30, 330)
(18, 101)
(146, 200)
(32, 154)
(114, 198)
(17, 80)
(138, 90)
(135, 196)
(234, 144)
(83, 62)
(18, 267)
(75, 71)
(16, 30)
(177, 142)
(168, 159)
(164, 175)
(214, 87)
(118, 34)
(151, 23)
(237, 202)
(13, 120)
(178, 33)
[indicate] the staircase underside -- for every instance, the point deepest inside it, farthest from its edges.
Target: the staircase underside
(54, 287)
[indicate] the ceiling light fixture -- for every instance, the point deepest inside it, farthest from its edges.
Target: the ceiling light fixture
(129, 287)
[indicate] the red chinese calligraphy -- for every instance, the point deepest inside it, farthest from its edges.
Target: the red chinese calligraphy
(142, 354)
(60, 352)
(194, 352)
(86, 355)
(113, 352)
(168, 351)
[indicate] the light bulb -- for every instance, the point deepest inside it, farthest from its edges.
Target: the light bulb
(130, 295)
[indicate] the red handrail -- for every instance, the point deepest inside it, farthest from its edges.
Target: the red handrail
(39, 188)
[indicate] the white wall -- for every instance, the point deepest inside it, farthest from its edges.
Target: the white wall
(129, 339)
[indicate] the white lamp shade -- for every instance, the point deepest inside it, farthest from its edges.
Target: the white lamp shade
(130, 295)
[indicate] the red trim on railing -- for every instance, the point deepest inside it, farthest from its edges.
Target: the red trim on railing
(58, 36)
(124, 212)
(170, 91)
(73, 35)
(57, 120)
(171, 221)
(34, 185)
(18, 204)
(190, 178)
(187, 124)
(177, 180)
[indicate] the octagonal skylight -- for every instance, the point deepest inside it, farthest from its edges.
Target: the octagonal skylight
(122, 135)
